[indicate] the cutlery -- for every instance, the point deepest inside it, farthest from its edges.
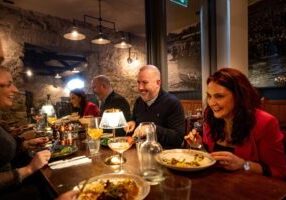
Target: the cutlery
(67, 160)
(53, 147)
(82, 187)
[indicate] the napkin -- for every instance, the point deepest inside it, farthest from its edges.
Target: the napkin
(80, 160)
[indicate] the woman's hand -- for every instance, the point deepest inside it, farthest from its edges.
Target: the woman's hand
(40, 159)
(193, 138)
(35, 143)
(228, 160)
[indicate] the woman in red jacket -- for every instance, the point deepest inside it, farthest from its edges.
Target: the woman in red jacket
(236, 131)
(81, 105)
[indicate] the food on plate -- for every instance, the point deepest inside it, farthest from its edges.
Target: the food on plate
(104, 141)
(118, 189)
(62, 151)
(197, 161)
(95, 133)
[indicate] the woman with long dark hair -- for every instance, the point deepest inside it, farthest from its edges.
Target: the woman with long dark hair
(81, 105)
(238, 133)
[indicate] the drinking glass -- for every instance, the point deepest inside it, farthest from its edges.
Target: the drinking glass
(176, 188)
(94, 134)
(120, 145)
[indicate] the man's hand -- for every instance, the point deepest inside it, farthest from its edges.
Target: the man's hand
(130, 126)
(35, 143)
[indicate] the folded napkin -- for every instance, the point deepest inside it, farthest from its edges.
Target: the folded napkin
(80, 160)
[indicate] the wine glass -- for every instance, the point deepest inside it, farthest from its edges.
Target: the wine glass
(120, 145)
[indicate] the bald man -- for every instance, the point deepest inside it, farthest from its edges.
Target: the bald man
(109, 99)
(156, 105)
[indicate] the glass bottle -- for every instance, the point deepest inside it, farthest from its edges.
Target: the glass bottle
(150, 169)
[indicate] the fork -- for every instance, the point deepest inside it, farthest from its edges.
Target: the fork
(53, 147)
(196, 142)
(82, 187)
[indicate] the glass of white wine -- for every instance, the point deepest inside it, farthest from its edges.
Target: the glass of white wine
(120, 145)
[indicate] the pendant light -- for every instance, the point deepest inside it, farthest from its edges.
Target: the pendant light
(123, 44)
(74, 33)
(100, 38)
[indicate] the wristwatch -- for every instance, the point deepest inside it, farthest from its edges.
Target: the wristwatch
(246, 166)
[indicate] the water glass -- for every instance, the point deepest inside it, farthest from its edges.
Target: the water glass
(93, 146)
(176, 188)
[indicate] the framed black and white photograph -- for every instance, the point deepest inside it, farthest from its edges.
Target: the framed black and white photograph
(184, 60)
(267, 43)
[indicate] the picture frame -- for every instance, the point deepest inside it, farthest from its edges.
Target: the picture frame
(184, 60)
(267, 44)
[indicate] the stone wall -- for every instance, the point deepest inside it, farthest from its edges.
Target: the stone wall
(18, 27)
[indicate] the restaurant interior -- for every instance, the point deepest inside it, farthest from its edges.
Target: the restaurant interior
(186, 39)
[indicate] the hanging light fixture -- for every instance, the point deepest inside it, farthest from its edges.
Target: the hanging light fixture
(129, 59)
(75, 70)
(123, 44)
(132, 58)
(100, 38)
(74, 33)
(57, 76)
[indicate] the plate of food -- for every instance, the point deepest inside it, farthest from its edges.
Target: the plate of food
(185, 159)
(63, 150)
(114, 186)
(104, 142)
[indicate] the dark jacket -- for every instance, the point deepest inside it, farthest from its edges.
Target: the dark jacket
(168, 115)
(117, 101)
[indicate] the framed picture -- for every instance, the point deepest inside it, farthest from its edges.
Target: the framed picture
(267, 43)
(184, 60)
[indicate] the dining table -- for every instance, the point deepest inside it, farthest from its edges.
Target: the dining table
(210, 183)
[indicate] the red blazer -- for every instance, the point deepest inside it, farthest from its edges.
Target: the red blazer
(91, 109)
(265, 144)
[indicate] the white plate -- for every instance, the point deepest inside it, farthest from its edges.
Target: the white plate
(144, 187)
(186, 155)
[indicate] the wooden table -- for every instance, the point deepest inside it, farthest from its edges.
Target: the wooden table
(211, 183)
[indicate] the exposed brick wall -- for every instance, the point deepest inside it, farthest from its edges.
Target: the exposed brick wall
(19, 26)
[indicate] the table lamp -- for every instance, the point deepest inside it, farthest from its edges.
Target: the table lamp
(113, 119)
